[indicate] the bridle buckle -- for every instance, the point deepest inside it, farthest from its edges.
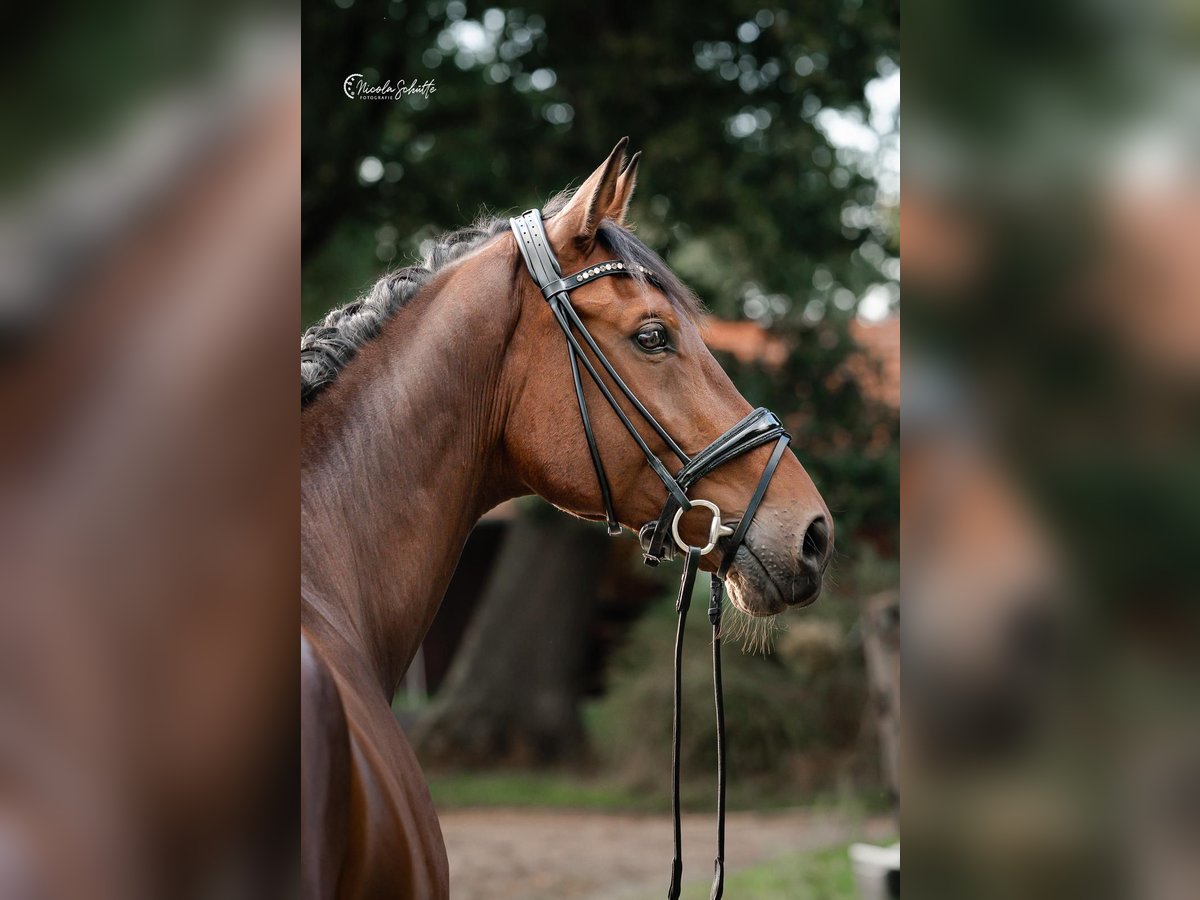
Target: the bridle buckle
(716, 530)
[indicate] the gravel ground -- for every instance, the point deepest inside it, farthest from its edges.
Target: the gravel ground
(504, 854)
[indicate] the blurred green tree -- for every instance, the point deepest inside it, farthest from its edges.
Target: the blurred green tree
(740, 187)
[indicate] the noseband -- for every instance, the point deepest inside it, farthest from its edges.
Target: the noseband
(758, 428)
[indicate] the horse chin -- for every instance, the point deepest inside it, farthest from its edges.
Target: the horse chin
(751, 587)
(759, 591)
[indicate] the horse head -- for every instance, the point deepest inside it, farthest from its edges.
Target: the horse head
(647, 326)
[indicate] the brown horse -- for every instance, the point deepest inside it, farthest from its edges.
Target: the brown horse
(445, 391)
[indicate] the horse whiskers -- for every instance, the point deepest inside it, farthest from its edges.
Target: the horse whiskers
(756, 633)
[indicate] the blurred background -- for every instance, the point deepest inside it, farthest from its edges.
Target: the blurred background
(149, 271)
(770, 183)
(1050, 455)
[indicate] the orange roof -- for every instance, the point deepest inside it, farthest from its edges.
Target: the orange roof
(750, 342)
(881, 342)
(745, 341)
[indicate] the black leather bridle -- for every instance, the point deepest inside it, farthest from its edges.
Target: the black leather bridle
(756, 429)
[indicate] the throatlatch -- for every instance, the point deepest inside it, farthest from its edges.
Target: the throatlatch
(758, 428)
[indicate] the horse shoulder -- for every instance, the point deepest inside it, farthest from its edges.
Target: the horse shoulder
(368, 825)
(325, 762)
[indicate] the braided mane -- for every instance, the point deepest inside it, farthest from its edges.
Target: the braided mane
(326, 347)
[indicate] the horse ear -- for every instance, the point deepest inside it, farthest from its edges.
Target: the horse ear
(576, 223)
(626, 182)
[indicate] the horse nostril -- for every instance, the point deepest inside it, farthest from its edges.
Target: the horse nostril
(816, 548)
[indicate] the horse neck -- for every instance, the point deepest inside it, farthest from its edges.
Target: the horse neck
(401, 458)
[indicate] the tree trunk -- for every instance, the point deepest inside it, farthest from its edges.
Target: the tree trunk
(512, 692)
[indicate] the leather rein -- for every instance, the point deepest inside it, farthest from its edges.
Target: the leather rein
(758, 428)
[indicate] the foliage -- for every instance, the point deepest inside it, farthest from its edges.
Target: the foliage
(740, 186)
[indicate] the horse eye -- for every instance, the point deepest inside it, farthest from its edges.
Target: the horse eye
(652, 338)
